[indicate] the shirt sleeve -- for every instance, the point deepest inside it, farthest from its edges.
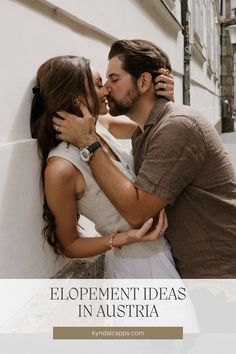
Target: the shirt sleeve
(174, 157)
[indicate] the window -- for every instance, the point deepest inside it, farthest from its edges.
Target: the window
(198, 20)
(213, 39)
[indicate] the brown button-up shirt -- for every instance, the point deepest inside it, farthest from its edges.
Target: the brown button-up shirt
(180, 158)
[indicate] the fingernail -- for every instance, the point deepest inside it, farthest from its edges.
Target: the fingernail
(150, 221)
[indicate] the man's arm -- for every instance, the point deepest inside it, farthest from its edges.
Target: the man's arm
(175, 157)
(134, 204)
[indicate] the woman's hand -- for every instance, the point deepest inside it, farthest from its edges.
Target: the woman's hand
(164, 84)
(145, 233)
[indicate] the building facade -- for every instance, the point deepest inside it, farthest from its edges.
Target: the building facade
(205, 58)
(228, 22)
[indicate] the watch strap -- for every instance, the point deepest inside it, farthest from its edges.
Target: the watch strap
(93, 147)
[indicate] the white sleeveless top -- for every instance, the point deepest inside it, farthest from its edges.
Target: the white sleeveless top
(96, 206)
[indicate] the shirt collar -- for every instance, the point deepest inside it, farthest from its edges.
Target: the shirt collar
(153, 117)
(155, 113)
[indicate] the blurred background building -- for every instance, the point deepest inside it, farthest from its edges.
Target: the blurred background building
(196, 34)
(228, 59)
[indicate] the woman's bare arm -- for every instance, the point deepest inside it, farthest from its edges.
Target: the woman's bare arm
(61, 186)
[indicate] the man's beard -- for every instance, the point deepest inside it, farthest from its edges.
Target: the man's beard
(126, 106)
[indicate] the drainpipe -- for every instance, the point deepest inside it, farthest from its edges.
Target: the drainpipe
(187, 52)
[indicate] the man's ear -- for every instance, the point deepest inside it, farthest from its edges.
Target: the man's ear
(144, 82)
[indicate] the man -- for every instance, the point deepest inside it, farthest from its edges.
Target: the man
(180, 165)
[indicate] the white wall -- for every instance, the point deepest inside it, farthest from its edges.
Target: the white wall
(32, 32)
(21, 251)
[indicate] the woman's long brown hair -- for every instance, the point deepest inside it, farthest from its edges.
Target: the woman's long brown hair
(60, 80)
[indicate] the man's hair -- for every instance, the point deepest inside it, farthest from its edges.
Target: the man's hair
(139, 56)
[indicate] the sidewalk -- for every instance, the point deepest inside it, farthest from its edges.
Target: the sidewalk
(229, 140)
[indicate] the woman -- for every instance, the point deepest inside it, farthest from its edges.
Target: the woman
(69, 187)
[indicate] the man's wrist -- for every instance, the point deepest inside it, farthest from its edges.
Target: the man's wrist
(94, 154)
(86, 142)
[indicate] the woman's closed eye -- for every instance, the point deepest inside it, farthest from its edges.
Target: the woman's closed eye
(99, 84)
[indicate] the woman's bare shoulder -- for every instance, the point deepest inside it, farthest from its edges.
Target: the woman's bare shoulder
(59, 168)
(119, 127)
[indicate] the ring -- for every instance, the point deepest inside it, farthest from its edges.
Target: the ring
(162, 233)
(164, 85)
(167, 72)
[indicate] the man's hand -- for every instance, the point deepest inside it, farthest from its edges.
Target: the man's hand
(79, 131)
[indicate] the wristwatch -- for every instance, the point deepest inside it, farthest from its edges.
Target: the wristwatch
(87, 152)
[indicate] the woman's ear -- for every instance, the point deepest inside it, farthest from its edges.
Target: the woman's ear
(144, 82)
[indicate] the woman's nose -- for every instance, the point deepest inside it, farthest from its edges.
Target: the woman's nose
(105, 91)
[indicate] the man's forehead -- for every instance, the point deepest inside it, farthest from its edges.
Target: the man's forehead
(114, 67)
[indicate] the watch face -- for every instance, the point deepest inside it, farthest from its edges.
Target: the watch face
(85, 154)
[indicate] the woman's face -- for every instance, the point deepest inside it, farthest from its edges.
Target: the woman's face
(101, 92)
